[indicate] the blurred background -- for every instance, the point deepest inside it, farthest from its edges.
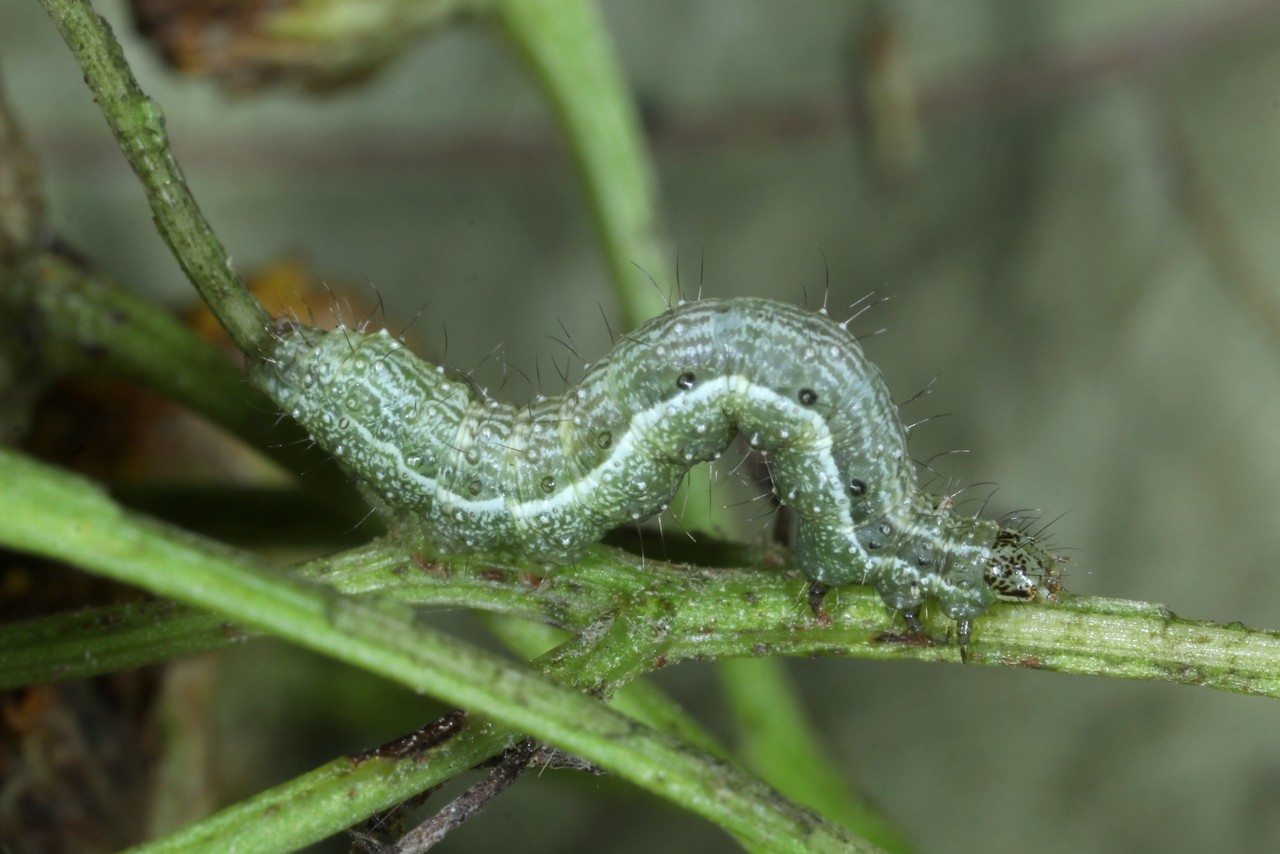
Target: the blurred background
(1073, 210)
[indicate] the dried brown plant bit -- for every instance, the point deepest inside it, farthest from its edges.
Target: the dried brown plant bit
(317, 46)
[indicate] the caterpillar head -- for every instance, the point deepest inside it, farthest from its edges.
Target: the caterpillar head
(1021, 569)
(989, 563)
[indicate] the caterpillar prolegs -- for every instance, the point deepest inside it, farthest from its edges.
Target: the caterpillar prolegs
(550, 478)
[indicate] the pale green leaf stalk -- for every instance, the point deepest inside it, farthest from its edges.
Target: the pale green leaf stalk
(138, 125)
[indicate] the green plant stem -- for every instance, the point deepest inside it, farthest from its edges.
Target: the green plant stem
(776, 742)
(79, 322)
(637, 699)
(331, 798)
(708, 614)
(85, 323)
(138, 125)
(566, 47)
(384, 637)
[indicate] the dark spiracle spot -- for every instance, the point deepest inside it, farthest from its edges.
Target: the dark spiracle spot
(807, 397)
(474, 487)
(857, 488)
(873, 544)
(548, 483)
(604, 440)
(686, 380)
(922, 561)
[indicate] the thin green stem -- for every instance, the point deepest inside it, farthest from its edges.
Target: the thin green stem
(776, 741)
(78, 322)
(705, 614)
(138, 125)
(637, 699)
(565, 45)
(84, 323)
(331, 798)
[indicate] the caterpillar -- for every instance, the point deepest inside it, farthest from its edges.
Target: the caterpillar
(550, 478)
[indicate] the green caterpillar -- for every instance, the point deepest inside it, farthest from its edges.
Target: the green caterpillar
(549, 479)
